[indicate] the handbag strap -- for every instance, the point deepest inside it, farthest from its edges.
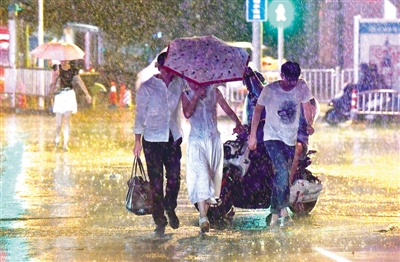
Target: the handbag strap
(138, 163)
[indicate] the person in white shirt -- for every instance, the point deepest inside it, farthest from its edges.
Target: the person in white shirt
(204, 151)
(282, 101)
(158, 130)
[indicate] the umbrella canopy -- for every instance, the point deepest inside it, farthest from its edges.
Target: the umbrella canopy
(206, 60)
(97, 87)
(58, 51)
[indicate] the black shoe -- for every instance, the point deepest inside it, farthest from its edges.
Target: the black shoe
(173, 219)
(160, 229)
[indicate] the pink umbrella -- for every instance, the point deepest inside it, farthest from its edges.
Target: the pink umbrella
(206, 60)
(58, 51)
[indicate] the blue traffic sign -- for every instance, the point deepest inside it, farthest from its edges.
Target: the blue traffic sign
(256, 10)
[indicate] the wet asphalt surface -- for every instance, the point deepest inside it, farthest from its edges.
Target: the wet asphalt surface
(69, 206)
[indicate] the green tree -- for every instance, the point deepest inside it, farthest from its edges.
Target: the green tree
(128, 26)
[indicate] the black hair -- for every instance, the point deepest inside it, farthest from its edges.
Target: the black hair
(291, 69)
(161, 58)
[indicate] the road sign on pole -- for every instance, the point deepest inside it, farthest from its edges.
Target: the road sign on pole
(256, 10)
(281, 13)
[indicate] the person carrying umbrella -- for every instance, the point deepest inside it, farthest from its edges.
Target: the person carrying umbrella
(204, 61)
(65, 99)
(64, 79)
(205, 149)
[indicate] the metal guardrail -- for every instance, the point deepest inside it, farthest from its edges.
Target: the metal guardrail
(27, 81)
(324, 83)
(378, 102)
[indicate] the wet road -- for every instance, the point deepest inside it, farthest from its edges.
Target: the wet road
(69, 206)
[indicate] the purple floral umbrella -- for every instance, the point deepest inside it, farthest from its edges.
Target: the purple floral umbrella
(206, 60)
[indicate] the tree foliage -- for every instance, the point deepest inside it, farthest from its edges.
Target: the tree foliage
(128, 26)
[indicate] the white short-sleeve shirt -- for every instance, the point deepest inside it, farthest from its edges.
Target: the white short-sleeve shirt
(283, 110)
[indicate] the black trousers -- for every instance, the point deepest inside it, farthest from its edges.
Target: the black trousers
(161, 155)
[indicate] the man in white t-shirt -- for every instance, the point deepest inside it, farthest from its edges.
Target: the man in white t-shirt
(282, 101)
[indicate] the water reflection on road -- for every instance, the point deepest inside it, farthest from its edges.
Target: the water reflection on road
(63, 206)
(12, 206)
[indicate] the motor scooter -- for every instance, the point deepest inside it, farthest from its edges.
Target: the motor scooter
(340, 106)
(247, 174)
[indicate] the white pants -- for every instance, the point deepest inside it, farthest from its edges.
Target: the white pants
(204, 167)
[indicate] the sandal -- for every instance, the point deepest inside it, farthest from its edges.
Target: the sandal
(204, 224)
(212, 201)
(275, 225)
(286, 221)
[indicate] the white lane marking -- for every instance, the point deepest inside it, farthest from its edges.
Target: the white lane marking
(331, 255)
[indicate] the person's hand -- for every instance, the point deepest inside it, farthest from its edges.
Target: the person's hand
(252, 143)
(201, 92)
(137, 149)
(55, 91)
(248, 71)
(239, 129)
(88, 99)
(310, 130)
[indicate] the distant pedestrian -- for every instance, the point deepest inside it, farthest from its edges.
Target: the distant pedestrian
(205, 149)
(158, 127)
(64, 80)
(125, 96)
(113, 95)
(282, 101)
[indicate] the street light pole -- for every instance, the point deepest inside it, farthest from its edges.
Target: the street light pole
(257, 44)
(282, 12)
(280, 46)
(12, 30)
(40, 61)
(256, 12)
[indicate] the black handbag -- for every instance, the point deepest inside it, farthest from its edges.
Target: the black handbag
(139, 198)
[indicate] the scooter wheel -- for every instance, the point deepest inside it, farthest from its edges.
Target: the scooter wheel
(331, 118)
(303, 209)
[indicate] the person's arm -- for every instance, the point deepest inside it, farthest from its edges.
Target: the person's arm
(308, 108)
(228, 110)
(190, 106)
(142, 101)
(254, 124)
(316, 109)
(54, 78)
(78, 81)
(137, 149)
(309, 113)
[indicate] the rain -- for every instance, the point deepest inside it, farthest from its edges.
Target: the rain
(58, 205)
